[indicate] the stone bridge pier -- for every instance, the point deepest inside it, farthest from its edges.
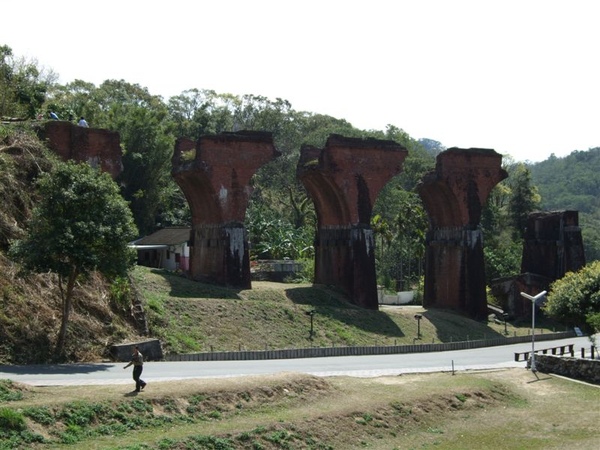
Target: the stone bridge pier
(343, 180)
(454, 195)
(214, 174)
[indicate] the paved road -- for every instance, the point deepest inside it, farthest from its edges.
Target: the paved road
(357, 366)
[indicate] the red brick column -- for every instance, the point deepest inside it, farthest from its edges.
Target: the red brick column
(553, 244)
(454, 195)
(344, 179)
(98, 147)
(214, 174)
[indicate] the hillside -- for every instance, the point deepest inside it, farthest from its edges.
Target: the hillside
(30, 304)
(186, 316)
(572, 182)
(194, 317)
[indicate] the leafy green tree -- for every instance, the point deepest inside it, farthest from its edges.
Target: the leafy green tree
(524, 198)
(74, 100)
(147, 137)
(575, 297)
(81, 224)
(23, 85)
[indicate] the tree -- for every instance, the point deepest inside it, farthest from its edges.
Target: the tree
(23, 85)
(81, 224)
(575, 298)
(524, 198)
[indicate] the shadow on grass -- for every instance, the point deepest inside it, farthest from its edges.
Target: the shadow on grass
(452, 327)
(54, 369)
(183, 287)
(328, 304)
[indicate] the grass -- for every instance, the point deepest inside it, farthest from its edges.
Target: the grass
(191, 317)
(508, 409)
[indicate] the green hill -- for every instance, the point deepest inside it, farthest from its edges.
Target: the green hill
(188, 316)
(572, 183)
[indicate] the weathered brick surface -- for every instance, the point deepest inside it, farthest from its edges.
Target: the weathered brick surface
(454, 195)
(553, 244)
(344, 180)
(98, 147)
(214, 174)
(508, 290)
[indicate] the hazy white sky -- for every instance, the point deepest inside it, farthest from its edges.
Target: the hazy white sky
(519, 76)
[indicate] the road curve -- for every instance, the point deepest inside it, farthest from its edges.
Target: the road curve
(356, 366)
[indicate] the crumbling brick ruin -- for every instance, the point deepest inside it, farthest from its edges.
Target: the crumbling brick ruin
(214, 174)
(553, 246)
(98, 147)
(344, 180)
(454, 195)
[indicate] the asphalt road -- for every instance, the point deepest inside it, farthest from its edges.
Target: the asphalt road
(357, 366)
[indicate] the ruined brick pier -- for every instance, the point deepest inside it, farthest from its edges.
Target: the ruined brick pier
(344, 179)
(454, 195)
(98, 147)
(214, 174)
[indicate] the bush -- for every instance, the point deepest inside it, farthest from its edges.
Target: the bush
(11, 420)
(576, 296)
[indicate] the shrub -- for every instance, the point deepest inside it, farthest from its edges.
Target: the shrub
(575, 296)
(12, 420)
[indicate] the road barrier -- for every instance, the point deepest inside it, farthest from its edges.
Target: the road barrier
(319, 352)
(560, 350)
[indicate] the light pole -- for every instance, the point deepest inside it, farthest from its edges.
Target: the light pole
(311, 313)
(418, 317)
(534, 299)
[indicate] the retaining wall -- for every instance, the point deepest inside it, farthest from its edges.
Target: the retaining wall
(317, 352)
(580, 369)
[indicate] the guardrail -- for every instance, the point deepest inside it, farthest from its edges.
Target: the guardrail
(319, 352)
(560, 350)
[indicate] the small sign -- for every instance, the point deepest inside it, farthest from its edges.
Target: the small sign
(578, 331)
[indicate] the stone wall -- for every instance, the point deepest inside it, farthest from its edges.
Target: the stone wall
(580, 369)
(151, 350)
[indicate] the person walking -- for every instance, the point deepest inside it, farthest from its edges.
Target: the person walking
(83, 123)
(137, 360)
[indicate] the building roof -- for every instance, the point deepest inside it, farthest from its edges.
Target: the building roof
(166, 236)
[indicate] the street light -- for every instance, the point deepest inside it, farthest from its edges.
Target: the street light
(534, 299)
(418, 317)
(311, 313)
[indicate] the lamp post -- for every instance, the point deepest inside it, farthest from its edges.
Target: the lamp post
(311, 313)
(534, 299)
(418, 317)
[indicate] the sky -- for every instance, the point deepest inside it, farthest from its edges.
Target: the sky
(521, 77)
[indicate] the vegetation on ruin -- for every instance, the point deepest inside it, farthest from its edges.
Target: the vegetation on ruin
(280, 218)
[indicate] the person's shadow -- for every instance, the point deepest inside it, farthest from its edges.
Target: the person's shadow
(133, 393)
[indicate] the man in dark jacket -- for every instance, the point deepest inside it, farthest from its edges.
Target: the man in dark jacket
(137, 359)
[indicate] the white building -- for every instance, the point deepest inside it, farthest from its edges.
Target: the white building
(166, 249)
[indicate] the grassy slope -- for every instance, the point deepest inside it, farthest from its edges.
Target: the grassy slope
(509, 409)
(195, 317)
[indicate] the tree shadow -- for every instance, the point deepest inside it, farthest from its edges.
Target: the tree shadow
(183, 287)
(54, 369)
(453, 327)
(331, 304)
